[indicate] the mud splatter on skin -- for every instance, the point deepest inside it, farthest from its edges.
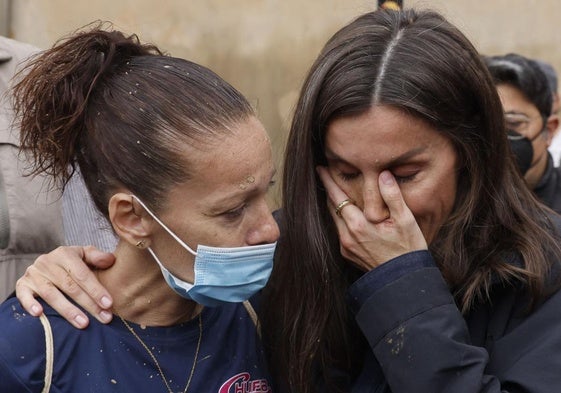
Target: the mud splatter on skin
(247, 181)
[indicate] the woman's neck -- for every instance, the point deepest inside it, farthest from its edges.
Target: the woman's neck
(140, 293)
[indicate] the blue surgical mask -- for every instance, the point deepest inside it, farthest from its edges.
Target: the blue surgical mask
(230, 275)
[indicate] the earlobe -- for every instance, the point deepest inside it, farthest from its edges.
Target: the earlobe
(128, 223)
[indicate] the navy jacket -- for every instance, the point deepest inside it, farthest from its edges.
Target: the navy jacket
(421, 343)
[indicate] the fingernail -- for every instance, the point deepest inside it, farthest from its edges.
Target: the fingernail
(105, 316)
(35, 310)
(105, 302)
(80, 320)
(386, 178)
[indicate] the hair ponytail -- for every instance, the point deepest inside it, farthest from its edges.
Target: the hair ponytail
(51, 100)
(122, 112)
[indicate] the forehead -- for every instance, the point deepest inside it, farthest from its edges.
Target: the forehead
(380, 133)
(513, 99)
(232, 162)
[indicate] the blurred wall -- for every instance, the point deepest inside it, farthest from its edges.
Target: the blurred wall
(264, 47)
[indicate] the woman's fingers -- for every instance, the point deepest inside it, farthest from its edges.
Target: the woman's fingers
(337, 197)
(391, 194)
(34, 284)
(64, 271)
(26, 295)
(370, 243)
(86, 278)
(399, 212)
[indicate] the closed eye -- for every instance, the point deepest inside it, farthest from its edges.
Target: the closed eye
(400, 179)
(404, 179)
(348, 176)
(405, 173)
(234, 214)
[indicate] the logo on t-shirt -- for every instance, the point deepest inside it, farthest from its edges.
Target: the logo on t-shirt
(242, 383)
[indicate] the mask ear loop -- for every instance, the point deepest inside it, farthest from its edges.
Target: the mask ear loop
(164, 226)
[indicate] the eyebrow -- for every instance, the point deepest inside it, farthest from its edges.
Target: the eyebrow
(331, 156)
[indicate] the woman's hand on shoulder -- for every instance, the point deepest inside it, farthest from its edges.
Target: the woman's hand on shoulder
(65, 270)
(366, 243)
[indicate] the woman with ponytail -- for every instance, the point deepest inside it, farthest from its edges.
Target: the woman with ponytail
(176, 160)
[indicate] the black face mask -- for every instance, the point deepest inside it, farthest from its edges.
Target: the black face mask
(522, 149)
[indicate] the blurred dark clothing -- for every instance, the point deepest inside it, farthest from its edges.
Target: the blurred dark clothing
(548, 189)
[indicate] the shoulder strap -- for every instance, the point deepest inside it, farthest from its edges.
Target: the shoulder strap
(49, 352)
(253, 316)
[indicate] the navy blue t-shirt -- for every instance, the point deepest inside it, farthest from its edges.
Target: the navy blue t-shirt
(108, 358)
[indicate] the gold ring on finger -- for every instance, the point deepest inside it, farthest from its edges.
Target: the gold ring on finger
(342, 205)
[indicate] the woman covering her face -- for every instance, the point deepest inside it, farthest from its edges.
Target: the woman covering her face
(177, 161)
(400, 117)
(412, 256)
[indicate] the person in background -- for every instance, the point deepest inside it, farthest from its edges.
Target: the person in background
(413, 257)
(30, 216)
(175, 158)
(33, 219)
(83, 223)
(555, 145)
(526, 100)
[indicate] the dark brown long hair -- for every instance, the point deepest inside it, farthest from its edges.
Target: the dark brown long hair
(122, 111)
(419, 63)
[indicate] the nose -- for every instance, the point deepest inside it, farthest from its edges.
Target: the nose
(266, 229)
(373, 206)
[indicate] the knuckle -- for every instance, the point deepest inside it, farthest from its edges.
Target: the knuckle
(95, 292)
(89, 248)
(60, 250)
(356, 225)
(29, 271)
(49, 292)
(81, 273)
(393, 194)
(22, 280)
(29, 276)
(40, 260)
(62, 253)
(22, 284)
(69, 286)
